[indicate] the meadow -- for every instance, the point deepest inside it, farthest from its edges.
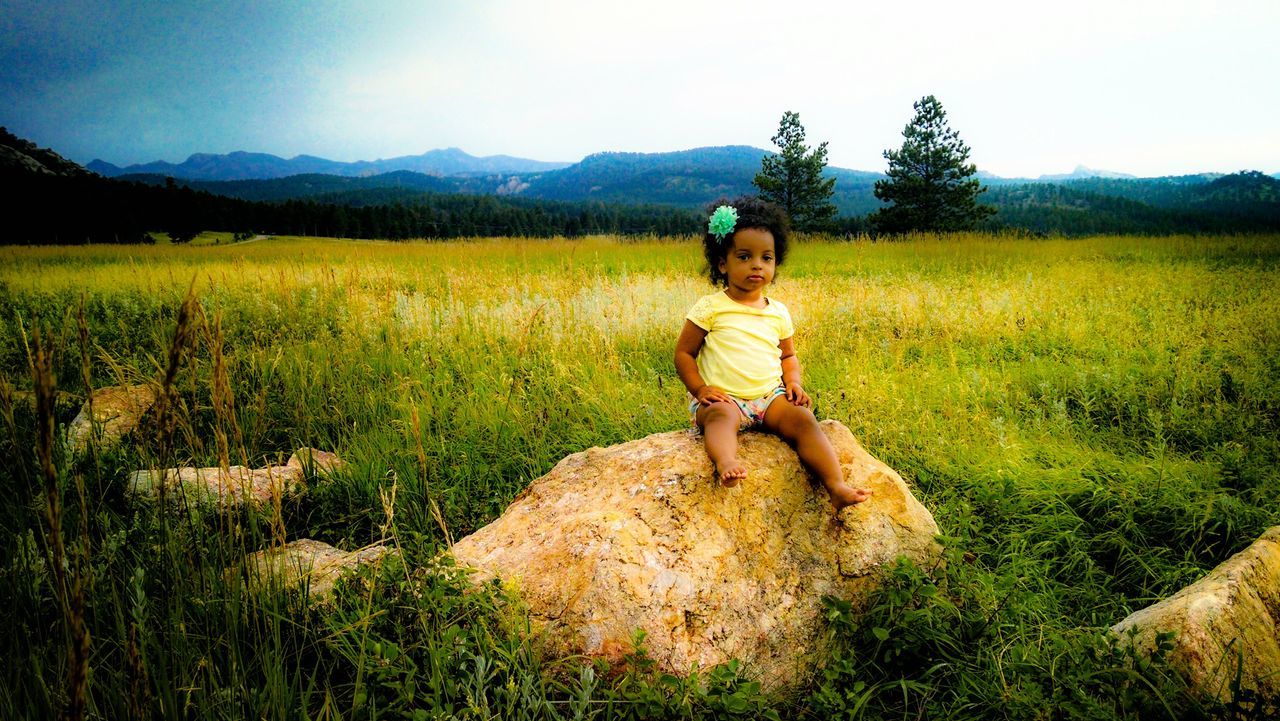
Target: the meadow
(1094, 423)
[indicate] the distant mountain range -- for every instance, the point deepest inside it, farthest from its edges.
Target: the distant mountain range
(1083, 201)
(241, 165)
(1083, 172)
(686, 179)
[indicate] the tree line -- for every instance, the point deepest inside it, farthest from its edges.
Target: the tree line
(1074, 209)
(92, 209)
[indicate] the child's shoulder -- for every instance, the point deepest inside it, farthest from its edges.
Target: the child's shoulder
(712, 298)
(705, 309)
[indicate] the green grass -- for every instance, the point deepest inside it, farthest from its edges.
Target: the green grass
(1094, 423)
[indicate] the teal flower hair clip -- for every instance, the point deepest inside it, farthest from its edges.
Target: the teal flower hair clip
(723, 221)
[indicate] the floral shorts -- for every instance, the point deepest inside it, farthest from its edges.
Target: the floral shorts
(752, 410)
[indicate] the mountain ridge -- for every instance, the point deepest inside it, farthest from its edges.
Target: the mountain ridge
(1082, 172)
(685, 178)
(451, 161)
(245, 165)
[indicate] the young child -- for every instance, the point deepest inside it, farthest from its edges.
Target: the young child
(736, 356)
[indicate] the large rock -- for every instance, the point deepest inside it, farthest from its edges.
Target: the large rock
(117, 410)
(236, 485)
(1227, 620)
(313, 565)
(641, 536)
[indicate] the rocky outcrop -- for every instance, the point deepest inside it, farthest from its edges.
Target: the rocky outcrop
(117, 410)
(1227, 621)
(24, 156)
(640, 536)
(306, 564)
(236, 485)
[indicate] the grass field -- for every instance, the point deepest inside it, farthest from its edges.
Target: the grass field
(1094, 423)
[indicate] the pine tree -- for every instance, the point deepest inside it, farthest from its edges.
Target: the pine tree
(930, 185)
(792, 178)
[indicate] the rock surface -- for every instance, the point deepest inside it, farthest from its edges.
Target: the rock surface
(116, 410)
(26, 156)
(236, 485)
(640, 536)
(313, 563)
(1232, 614)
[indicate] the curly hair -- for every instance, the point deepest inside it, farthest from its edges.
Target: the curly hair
(753, 212)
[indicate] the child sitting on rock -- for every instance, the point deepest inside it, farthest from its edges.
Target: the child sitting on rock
(735, 353)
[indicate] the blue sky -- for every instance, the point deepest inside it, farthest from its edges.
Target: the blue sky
(1149, 88)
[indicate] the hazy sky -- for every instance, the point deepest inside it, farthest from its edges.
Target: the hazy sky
(1149, 88)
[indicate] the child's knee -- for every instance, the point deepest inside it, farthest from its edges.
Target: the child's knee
(720, 411)
(802, 420)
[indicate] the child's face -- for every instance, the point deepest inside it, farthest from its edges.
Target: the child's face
(751, 261)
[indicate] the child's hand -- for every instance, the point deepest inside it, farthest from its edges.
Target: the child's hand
(710, 394)
(797, 396)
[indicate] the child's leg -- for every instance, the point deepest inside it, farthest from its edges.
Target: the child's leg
(799, 427)
(719, 422)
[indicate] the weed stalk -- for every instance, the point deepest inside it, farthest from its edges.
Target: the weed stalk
(426, 484)
(70, 595)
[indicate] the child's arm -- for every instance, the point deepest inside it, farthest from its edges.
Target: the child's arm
(791, 374)
(687, 347)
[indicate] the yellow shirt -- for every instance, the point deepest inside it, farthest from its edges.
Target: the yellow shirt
(740, 353)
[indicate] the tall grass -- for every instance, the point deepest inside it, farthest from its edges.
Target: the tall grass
(1093, 422)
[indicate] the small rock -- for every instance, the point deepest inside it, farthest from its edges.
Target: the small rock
(116, 410)
(237, 485)
(313, 564)
(641, 536)
(318, 462)
(1228, 619)
(214, 486)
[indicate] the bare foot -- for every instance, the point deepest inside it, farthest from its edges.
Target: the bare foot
(845, 495)
(731, 473)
